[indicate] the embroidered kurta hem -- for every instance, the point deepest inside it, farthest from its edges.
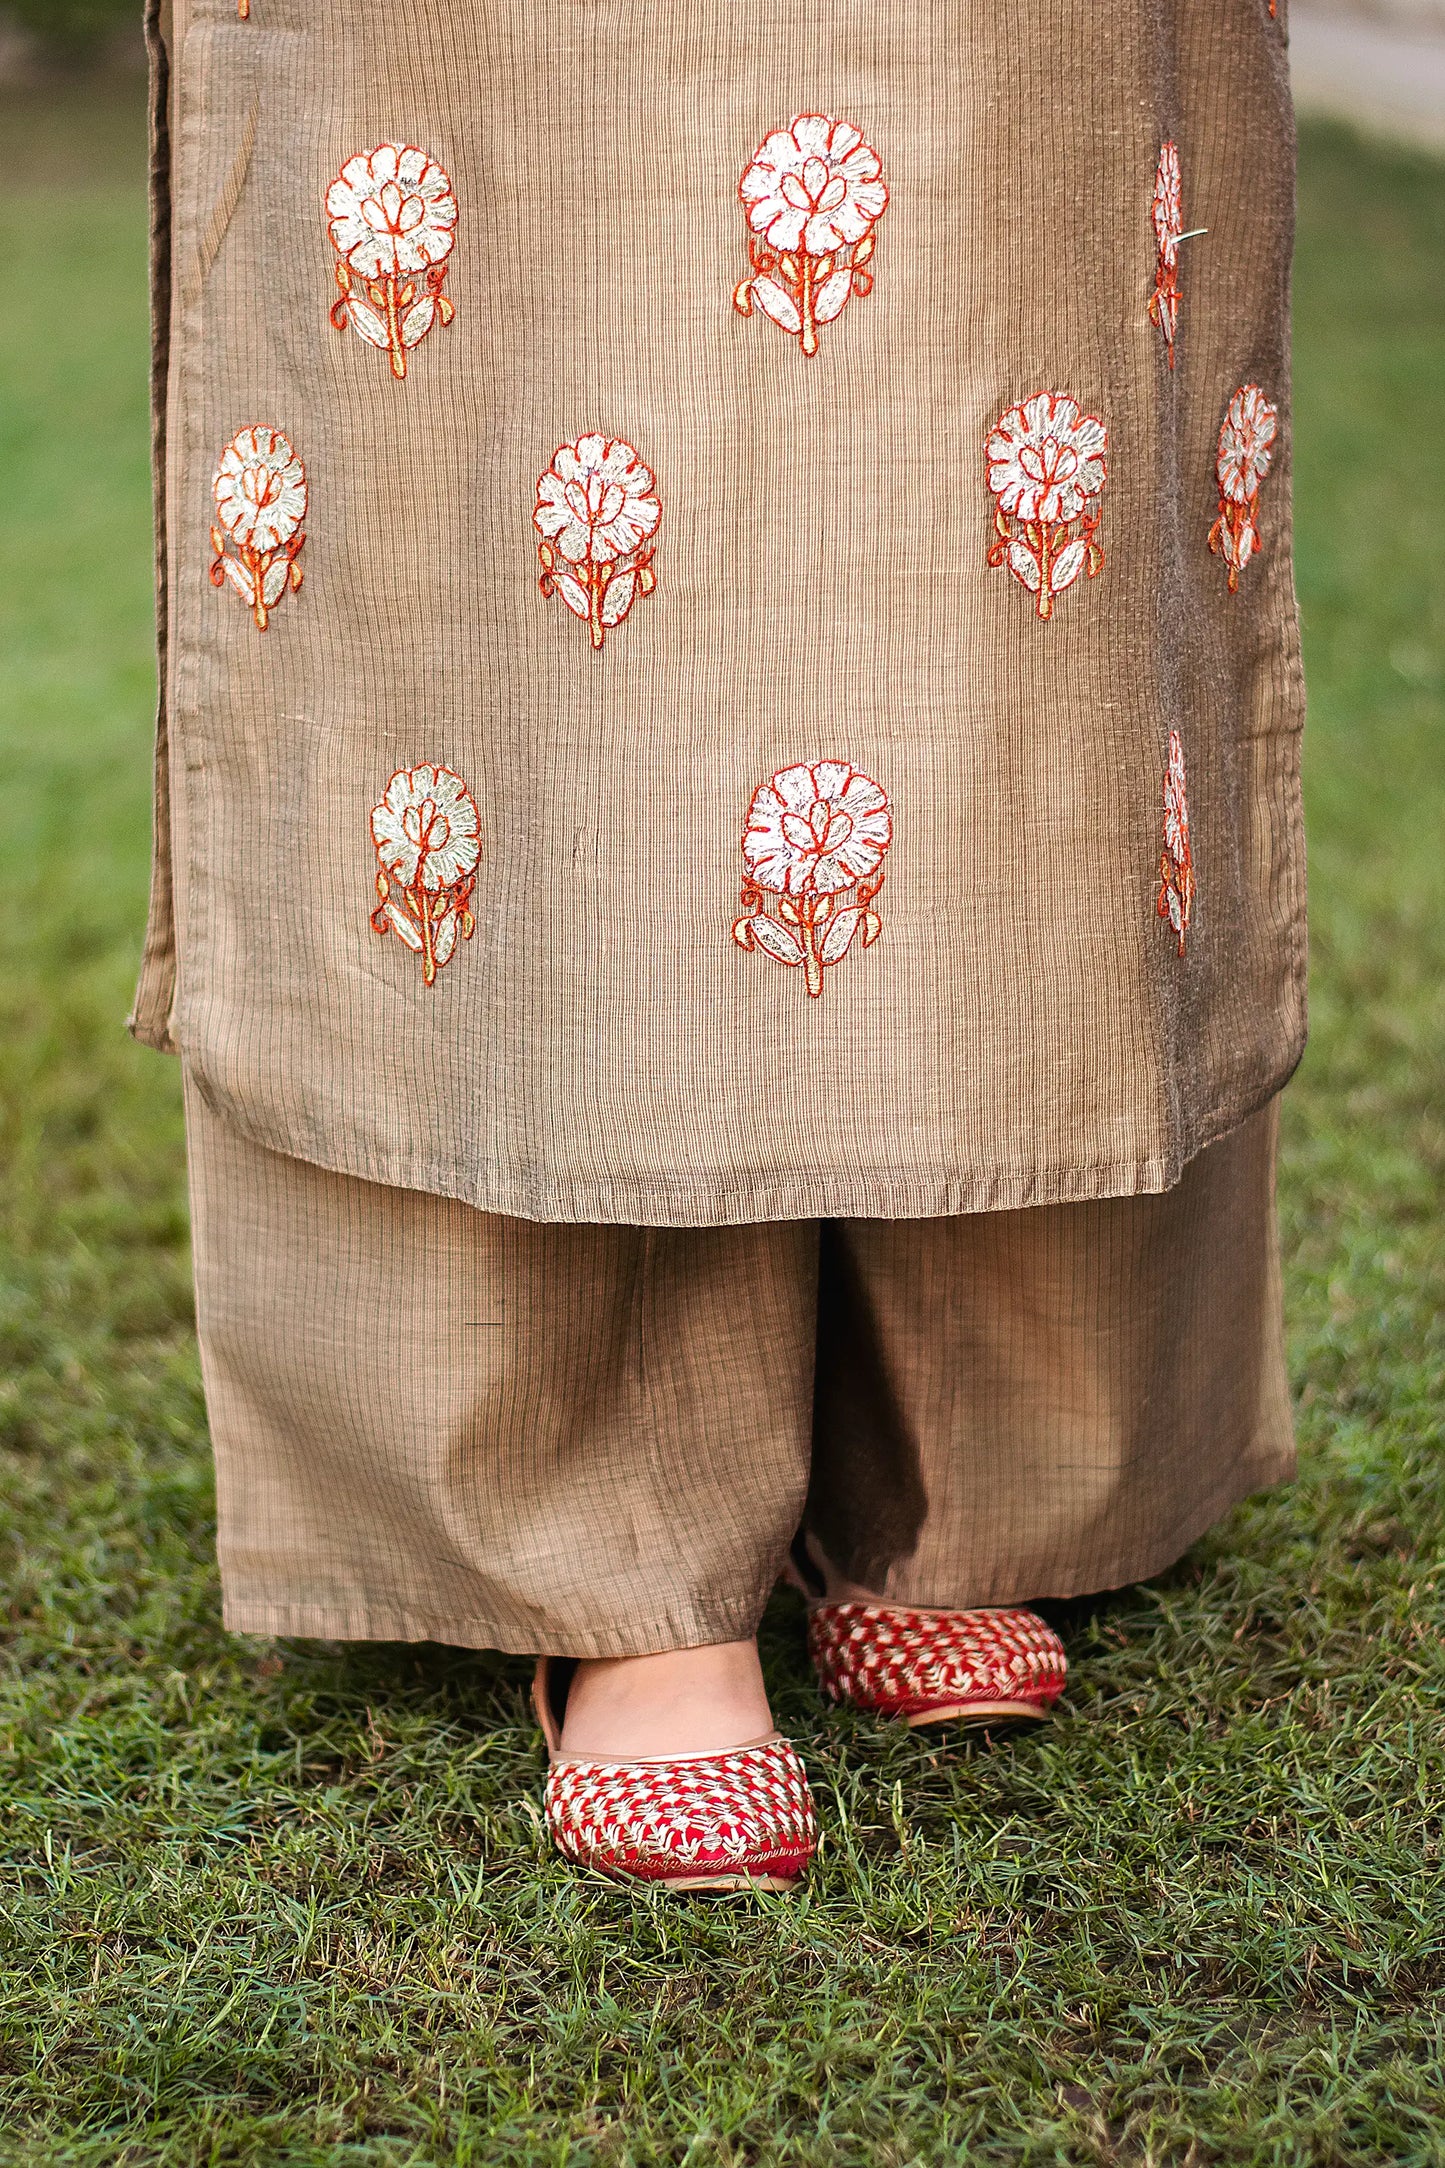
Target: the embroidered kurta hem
(729, 642)
(599, 1441)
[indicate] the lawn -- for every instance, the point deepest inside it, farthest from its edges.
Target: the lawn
(290, 1904)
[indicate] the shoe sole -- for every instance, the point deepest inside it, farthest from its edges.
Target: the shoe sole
(723, 1883)
(974, 1712)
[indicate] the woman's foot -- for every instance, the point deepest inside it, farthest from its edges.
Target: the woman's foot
(925, 1664)
(666, 1769)
(687, 1701)
(991, 1666)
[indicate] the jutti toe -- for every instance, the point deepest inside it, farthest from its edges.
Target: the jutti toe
(738, 1820)
(937, 1667)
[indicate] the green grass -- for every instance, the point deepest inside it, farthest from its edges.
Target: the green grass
(291, 1905)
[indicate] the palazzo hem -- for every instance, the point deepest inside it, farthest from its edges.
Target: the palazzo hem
(643, 1637)
(702, 1629)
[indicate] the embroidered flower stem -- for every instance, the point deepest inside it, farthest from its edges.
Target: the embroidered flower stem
(257, 564)
(395, 299)
(1044, 542)
(424, 913)
(802, 282)
(819, 945)
(808, 914)
(800, 279)
(596, 577)
(594, 580)
(799, 276)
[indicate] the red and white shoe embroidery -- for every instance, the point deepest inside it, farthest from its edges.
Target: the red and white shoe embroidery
(260, 496)
(1246, 449)
(813, 193)
(392, 217)
(1047, 463)
(718, 1821)
(597, 510)
(814, 843)
(930, 1667)
(427, 833)
(1176, 860)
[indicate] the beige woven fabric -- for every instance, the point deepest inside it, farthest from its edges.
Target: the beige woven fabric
(436, 1423)
(1005, 1021)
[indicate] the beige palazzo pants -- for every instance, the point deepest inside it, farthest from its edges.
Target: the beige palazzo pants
(433, 1422)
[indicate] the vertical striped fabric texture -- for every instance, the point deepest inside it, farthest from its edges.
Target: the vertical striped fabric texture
(623, 1027)
(436, 1423)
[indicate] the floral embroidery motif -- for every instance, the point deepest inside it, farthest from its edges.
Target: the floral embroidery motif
(392, 217)
(813, 192)
(1047, 466)
(427, 833)
(1246, 438)
(260, 494)
(816, 834)
(1168, 216)
(597, 509)
(1176, 861)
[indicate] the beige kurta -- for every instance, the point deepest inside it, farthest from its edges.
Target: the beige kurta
(707, 550)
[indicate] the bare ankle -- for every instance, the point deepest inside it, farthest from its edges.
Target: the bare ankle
(681, 1701)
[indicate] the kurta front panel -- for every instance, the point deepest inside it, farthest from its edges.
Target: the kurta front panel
(731, 642)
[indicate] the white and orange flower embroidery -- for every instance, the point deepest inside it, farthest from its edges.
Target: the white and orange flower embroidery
(597, 510)
(427, 833)
(813, 193)
(392, 217)
(1047, 466)
(260, 497)
(1246, 448)
(1168, 216)
(1176, 860)
(814, 845)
